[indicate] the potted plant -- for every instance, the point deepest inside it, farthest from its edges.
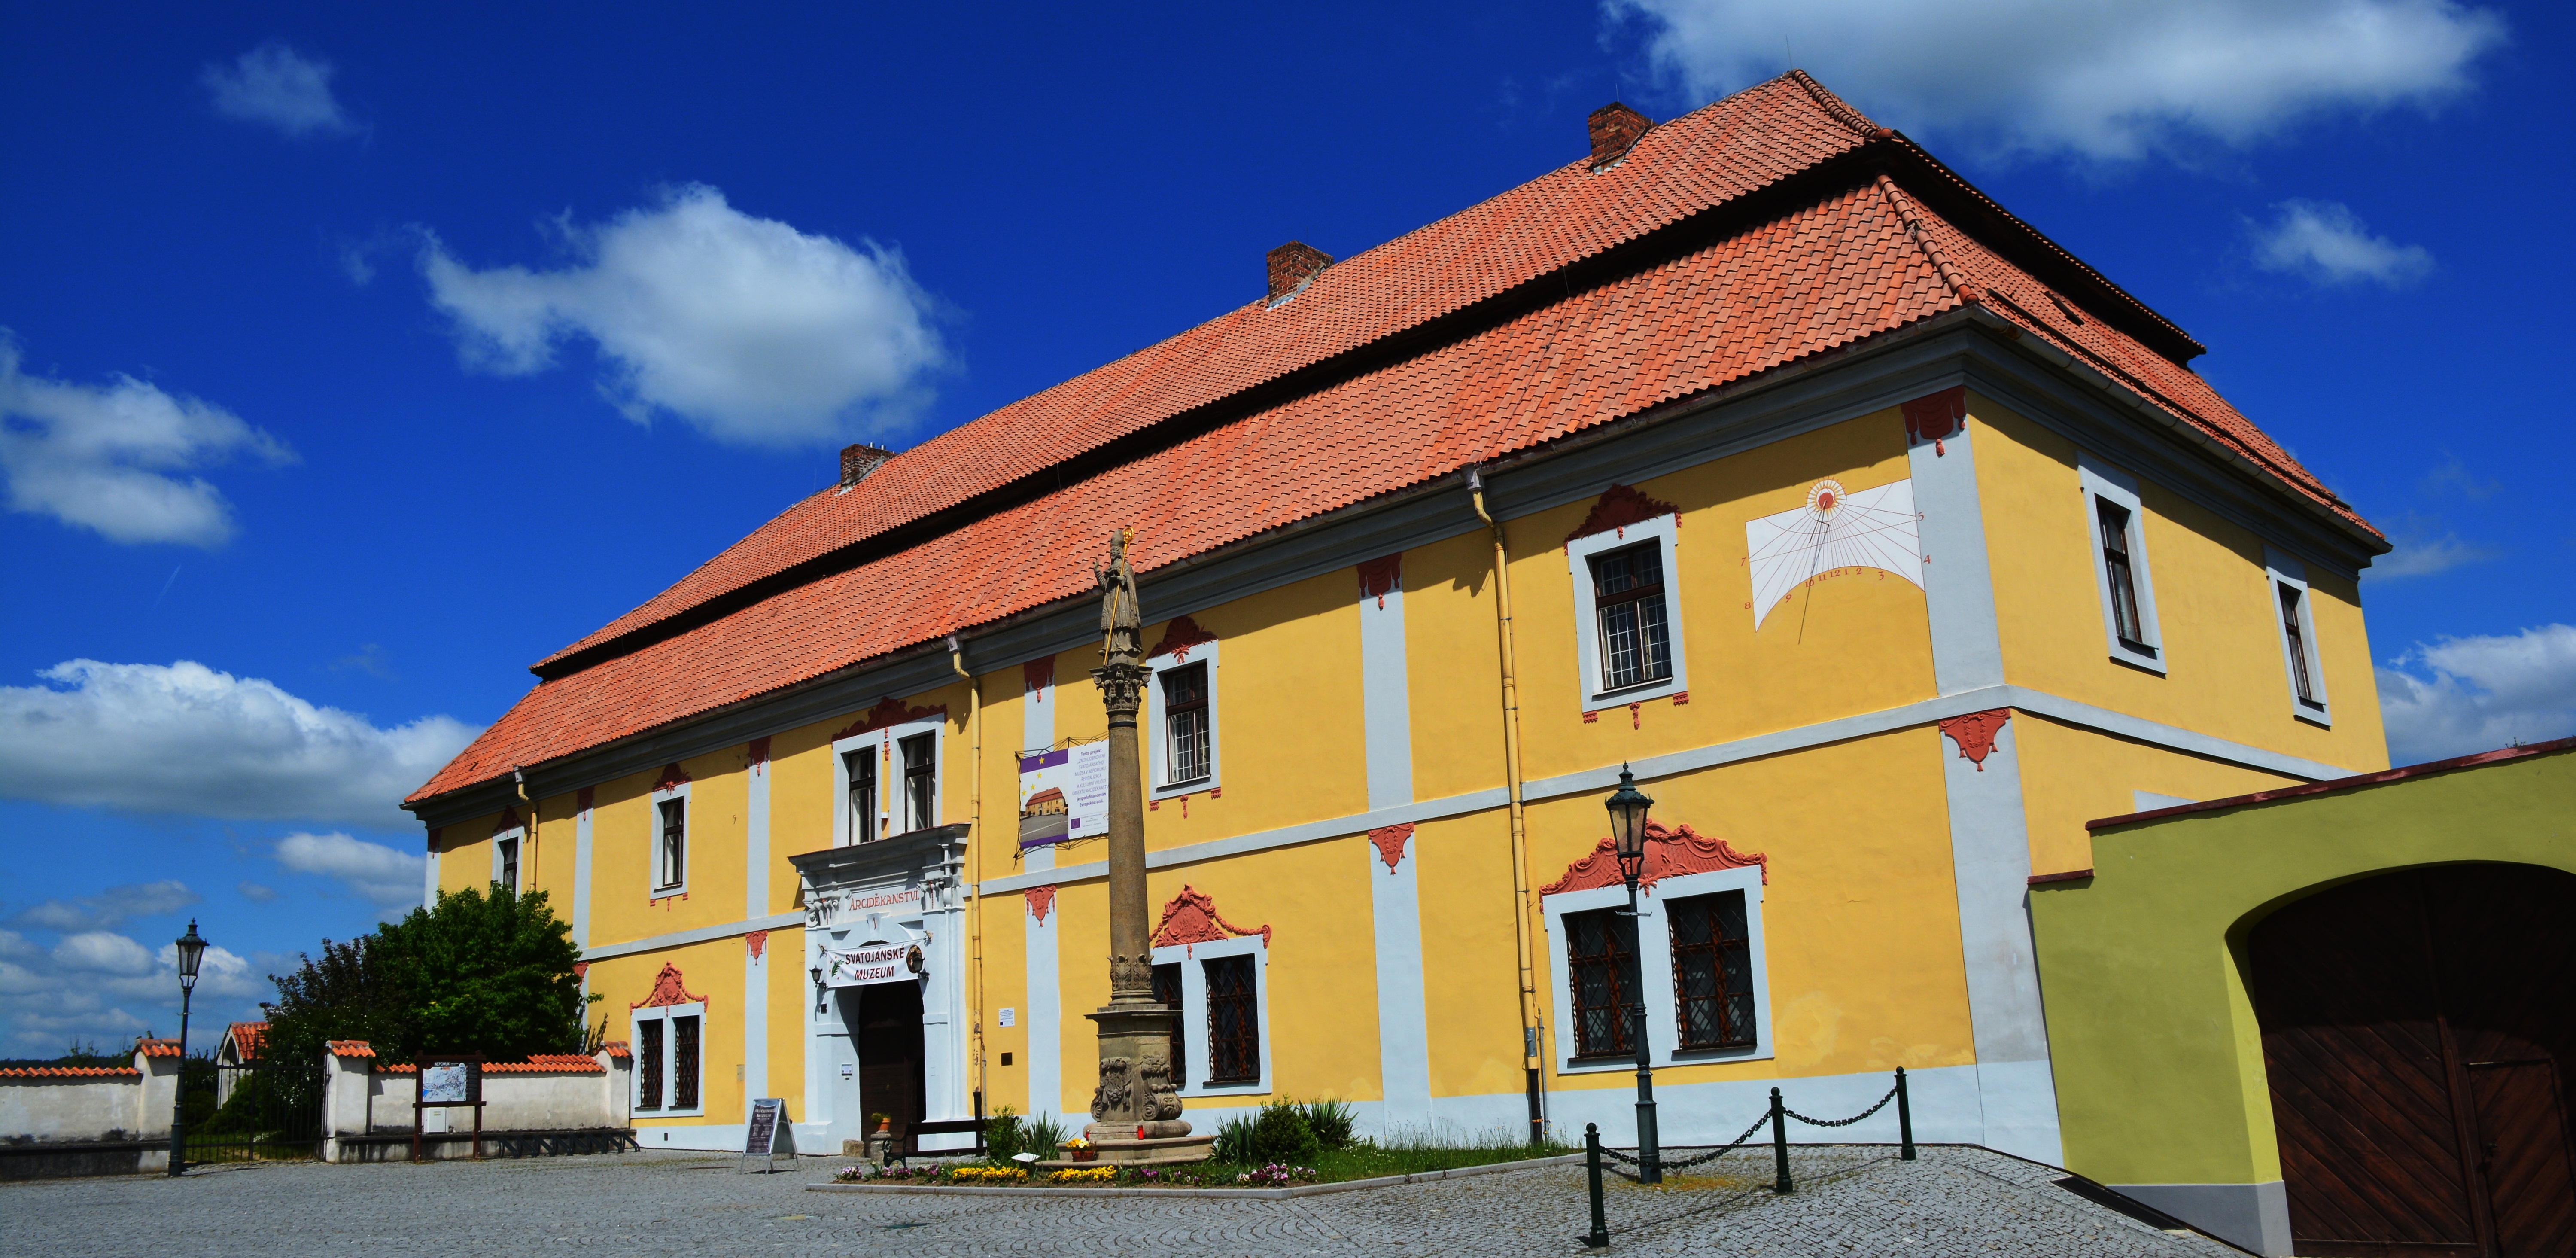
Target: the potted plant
(881, 1141)
(1081, 1150)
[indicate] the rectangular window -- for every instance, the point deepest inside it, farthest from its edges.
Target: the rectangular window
(2293, 626)
(2121, 574)
(1601, 962)
(920, 782)
(1185, 723)
(1234, 1021)
(674, 863)
(1167, 989)
(684, 1063)
(648, 1063)
(1712, 971)
(1628, 601)
(862, 768)
(509, 849)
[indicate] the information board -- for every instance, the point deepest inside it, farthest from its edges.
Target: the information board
(1081, 774)
(768, 1113)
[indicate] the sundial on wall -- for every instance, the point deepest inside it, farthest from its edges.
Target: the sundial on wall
(1836, 533)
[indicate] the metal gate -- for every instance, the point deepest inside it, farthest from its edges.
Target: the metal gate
(257, 1111)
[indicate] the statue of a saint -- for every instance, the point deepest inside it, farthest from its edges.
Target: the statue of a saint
(1122, 627)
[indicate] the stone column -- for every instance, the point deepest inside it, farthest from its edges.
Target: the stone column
(1135, 1112)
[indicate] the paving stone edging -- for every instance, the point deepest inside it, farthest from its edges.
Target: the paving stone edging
(1238, 1194)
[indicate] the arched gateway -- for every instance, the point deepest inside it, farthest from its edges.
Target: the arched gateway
(2419, 1029)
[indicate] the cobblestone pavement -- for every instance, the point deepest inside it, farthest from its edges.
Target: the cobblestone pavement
(1849, 1202)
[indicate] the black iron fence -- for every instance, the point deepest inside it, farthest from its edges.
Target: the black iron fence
(258, 1111)
(1598, 1158)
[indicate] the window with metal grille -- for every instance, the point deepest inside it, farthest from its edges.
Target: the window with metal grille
(2122, 575)
(684, 1063)
(861, 766)
(1628, 599)
(648, 1063)
(920, 782)
(510, 863)
(674, 864)
(1712, 970)
(1185, 723)
(1234, 1021)
(1167, 989)
(1601, 962)
(2294, 625)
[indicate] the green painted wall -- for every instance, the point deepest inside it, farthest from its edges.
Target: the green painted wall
(2158, 1057)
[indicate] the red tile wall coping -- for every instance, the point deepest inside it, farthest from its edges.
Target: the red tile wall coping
(70, 1072)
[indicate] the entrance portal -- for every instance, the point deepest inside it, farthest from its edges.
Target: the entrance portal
(2418, 1030)
(887, 1035)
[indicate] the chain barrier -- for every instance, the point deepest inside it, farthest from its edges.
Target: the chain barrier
(1841, 1122)
(1605, 1158)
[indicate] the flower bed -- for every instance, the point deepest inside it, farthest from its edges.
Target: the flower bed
(980, 1175)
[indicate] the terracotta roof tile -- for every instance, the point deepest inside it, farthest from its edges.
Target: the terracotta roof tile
(70, 1072)
(351, 1048)
(159, 1048)
(1850, 264)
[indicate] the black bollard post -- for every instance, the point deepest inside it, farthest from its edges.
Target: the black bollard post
(1780, 1145)
(1600, 1236)
(1904, 1119)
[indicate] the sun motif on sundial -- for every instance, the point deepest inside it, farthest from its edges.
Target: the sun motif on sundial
(1837, 532)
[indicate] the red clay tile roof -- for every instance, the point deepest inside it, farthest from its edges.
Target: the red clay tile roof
(1817, 272)
(159, 1048)
(352, 1048)
(618, 1048)
(246, 1036)
(548, 1063)
(70, 1072)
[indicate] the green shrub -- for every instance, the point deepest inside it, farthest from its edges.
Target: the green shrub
(1003, 1135)
(1235, 1143)
(1280, 1134)
(1040, 1134)
(1331, 1121)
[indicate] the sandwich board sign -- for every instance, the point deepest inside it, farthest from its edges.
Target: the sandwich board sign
(768, 1114)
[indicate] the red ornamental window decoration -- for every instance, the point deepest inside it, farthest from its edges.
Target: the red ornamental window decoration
(1178, 637)
(1671, 852)
(1040, 900)
(668, 989)
(1618, 507)
(888, 711)
(1191, 918)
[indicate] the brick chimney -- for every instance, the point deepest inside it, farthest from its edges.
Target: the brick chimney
(1615, 130)
(1293, 264)
(858, 461)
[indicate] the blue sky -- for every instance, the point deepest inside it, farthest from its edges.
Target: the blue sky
(357, 358)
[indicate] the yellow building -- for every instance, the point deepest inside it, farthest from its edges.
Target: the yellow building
(1885, 540)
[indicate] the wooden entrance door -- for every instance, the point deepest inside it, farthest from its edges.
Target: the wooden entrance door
(889, 1044)
(2417, 1028)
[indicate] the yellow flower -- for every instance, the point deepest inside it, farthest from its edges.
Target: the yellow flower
(1086, 1175)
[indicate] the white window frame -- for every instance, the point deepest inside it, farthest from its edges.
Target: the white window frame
(1663, 532)
(883, 743)
(1655, 969)
(518, 835)
(1194, 1009)
(670, 1054)
(2102, 483)
(653, 890)
(1162, 786)
(2280, 570)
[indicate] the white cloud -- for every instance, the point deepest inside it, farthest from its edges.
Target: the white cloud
(110, 457)
(2423, 547)
(183, 738)
(102, 988)
(391, 880)
(2481, 693)
(109, 908)
(747, 328)
(256, 893)
(2097, 80)
(277, 86)
(2324, 242)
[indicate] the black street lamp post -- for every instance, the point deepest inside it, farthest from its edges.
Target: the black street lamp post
(1628, 808)
(192, 951)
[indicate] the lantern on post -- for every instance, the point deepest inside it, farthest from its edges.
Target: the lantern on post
(1628, 807)
(192, 954)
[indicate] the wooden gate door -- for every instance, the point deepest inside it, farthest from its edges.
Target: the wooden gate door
(889, 1044)
(2415, 1029)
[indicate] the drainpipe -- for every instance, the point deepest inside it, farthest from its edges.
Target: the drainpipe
(974, 851)
(1520, 828)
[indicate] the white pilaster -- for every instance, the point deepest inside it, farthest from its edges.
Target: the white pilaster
(1403, 1021)
(1046, 1082)
(1990, 858)
(755, 969)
